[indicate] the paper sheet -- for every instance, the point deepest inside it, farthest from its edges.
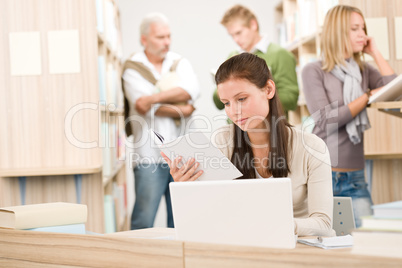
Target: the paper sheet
(25, 54)
(378, 29)
(214, 164)
(64, 52)
(390, 92)
(344, 241)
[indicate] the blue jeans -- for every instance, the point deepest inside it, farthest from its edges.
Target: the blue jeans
(353, 184)
(151, 183)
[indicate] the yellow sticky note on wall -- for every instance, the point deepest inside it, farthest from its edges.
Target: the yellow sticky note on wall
(25, 53)
(64, 52)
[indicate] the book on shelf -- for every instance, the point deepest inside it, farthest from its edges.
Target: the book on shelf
(308, 22)
(392, 210)
(110, 25)
(111, 84)
(42, 215)
(107, 166)
(380, 234)
(119, 202)
(381, 224)
(375, 243)
(282, 34)
(102, 78)
(99, 16)
(110, 214)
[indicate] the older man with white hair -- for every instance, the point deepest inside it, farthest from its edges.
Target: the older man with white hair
(159, 87)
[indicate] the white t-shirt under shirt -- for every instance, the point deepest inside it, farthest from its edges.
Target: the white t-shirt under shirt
(136, 86)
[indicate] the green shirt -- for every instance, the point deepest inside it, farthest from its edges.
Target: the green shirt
(282, 65)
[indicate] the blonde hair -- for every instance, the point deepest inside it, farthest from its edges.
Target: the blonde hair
(239, 12)
(335, 37)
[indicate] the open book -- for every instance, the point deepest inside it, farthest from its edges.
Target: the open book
(390, 92)
(213, 162)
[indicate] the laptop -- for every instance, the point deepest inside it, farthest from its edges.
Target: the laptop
(343, 219)
(247, 212)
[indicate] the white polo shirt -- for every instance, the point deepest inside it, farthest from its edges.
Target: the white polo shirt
(136, 86)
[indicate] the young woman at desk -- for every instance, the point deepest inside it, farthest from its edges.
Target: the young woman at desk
(337, 91)
(261, 143)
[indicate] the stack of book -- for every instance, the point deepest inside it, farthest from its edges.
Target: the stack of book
(57, 217)
(380, 234)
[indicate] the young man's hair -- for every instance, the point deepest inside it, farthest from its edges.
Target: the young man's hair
(247, 66)
(239, 12)
(335, 40)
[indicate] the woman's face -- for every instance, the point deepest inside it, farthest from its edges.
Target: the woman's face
(357, 36)
(245, 104)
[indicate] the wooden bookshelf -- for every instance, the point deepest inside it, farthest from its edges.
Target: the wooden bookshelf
(382, 142)
(53, 147)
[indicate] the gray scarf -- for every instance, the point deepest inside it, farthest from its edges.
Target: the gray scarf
(351, 77)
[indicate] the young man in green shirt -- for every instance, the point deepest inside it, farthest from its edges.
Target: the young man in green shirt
(243, 26)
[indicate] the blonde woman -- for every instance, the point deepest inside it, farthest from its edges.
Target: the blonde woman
(337, 91)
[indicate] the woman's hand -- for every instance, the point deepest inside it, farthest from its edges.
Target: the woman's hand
(370, 47)
(372, 50)
(185, 172)
(374, 91)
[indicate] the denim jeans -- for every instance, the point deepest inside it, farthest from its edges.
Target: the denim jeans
(151, 183)
(353, 184)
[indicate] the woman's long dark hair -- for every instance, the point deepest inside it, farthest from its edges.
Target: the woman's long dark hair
(250, 67)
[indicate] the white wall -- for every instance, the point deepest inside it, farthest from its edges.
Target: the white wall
(197, 35)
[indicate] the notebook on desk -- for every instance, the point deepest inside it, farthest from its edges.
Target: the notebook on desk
(254, 212)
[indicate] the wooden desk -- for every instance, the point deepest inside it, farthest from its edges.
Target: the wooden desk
(135, 249)
(39, 249)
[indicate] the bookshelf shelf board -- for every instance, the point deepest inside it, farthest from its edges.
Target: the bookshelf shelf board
(387, 105)
(301, 103)
(390, 107)
(308, 40)
(101, 38)
(49, 171)
(382, 155)
(118, 111)
(107, 179)
(293, 46)
(279, 7)
(304, 41)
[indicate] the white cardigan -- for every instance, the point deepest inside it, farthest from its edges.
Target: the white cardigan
(311, 178)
